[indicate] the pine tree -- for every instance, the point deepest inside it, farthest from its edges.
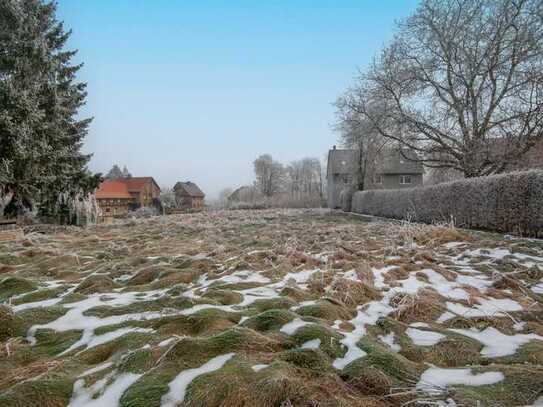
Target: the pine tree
(114, 173)
(126, 173)
(40, 134)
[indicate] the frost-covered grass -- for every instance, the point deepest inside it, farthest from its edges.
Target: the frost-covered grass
(270, 308)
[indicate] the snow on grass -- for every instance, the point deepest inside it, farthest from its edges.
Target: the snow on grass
(486, 307)
(96, 369)
(436, 379)
(178, 386)
(379, 276)
(497, 344)
(312, 344)
(389, 340)
(538, 289)
(292, 326)
(258, 368)
(75, 318)
(367, 316)
(424, 338)
(98, 395)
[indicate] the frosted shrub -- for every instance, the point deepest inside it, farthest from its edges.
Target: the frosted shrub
(510, 202)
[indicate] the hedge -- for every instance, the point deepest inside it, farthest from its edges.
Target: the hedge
(511, 202)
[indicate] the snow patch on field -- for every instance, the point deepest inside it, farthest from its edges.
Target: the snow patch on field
(98, 395)
(496, 343)
(437, 379)
(424, 338)
(178, 386)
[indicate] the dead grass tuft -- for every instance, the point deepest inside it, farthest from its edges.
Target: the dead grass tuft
(352, 293)
(371, 381)
(426, 306)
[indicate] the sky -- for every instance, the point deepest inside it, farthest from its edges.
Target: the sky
(196, 90)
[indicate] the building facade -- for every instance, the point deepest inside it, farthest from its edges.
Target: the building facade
(116, 197)
(143, 189)
(393, 169)
(113, 198)
(188, 196)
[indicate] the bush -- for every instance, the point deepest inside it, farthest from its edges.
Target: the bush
(504, 203)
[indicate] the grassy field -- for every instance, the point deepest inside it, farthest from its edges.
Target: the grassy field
(270, 308)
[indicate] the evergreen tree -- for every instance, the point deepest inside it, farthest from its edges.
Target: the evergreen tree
(40, 135)
(126, 173)
(114, 173)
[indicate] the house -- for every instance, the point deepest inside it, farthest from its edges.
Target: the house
(116, 197)
(113, 198)
(341, 173)
(393, 169)
(188, 196)
(143, 189)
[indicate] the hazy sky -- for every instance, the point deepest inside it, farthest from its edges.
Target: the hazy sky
(197, 89)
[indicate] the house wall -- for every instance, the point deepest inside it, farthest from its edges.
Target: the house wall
(114, 207)
(147, 194)
(392, 181)
(336, 183)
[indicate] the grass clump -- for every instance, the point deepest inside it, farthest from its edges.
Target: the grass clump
(325, 309)
(273, 303)
(269, 320)
(312, 359)
(521, 386)
(96, 284)
(49, 391)
(224, 297)
(401, 370)
(138, 361)
(10, 286)
(148, 390)
(10, 324)
(330, 339)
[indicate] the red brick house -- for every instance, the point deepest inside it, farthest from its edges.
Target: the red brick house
(188, 196)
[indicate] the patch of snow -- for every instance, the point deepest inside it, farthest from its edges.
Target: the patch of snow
(486, 307)
(434, 378)
(292, 326)
(166, 342)
(312, 344)
(389, 340)
(96, 396)
(96, 369)
(178, 386)
(258, 368)
(424, 338)
(496, 343)
(367, 316)
(451, 245)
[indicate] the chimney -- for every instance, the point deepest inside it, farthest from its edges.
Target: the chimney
(334, 147)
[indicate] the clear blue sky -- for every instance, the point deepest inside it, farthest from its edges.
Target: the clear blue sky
(196, 90)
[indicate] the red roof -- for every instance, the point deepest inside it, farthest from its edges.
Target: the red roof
(136, 184)
(113, 189)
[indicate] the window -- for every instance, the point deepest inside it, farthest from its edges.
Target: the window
(347, 179)
(405, 179)
(378, 179)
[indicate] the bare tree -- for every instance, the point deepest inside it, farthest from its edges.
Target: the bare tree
(461, 83)
(358, 132)
(305, 179)
(270, 175)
